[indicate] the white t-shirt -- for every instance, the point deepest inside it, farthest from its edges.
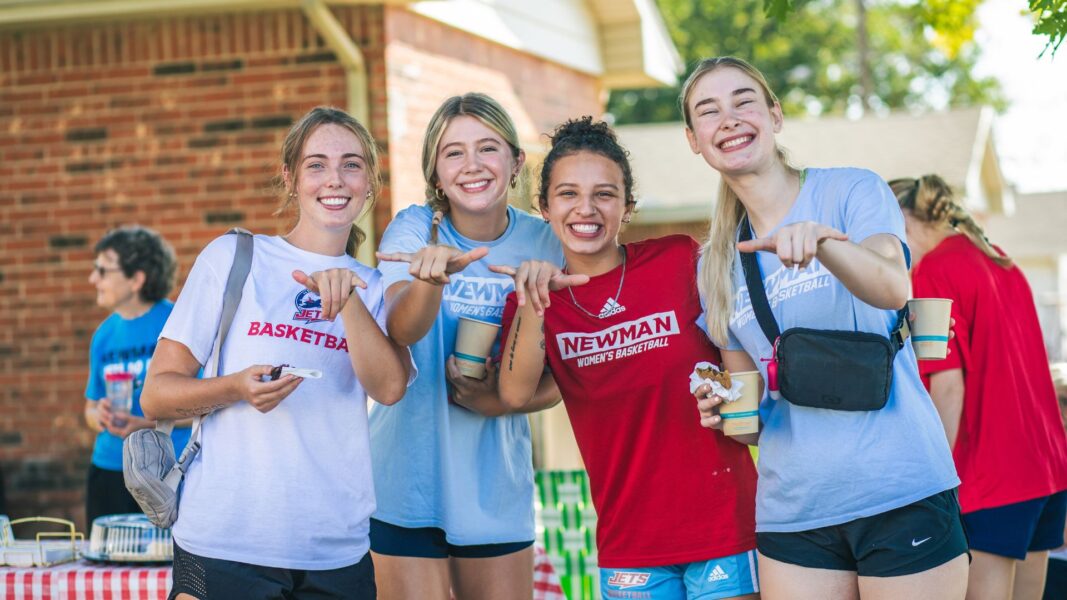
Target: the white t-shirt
(291, 488)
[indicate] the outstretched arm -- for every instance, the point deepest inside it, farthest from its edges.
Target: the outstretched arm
(523, 361)
(873, 270)
(413, 305)
(380, 364)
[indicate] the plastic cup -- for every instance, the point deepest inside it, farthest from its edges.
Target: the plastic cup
(474, 340)
(929, 329)
(741, 416)
(120, 393)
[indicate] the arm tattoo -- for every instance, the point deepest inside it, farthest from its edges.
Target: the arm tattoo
(514, 342)
(199, 410)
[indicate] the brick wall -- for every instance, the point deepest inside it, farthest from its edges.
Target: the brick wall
(428, 62)
(175, 124)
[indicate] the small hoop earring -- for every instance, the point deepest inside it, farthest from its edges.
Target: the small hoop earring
(439, 194)
(626, 220)
(545, 219)
(513, 181)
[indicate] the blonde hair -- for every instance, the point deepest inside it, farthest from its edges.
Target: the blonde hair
(293, 149)
(716, 274)
(930, 200)
(473, 104)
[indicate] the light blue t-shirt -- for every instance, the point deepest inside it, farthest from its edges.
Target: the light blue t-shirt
(437, 464)
(820, 467)
(125, 345)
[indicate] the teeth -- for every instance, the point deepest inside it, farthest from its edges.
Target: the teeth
(736, 142)
(334, 201)
(585, 227)
(475, 185)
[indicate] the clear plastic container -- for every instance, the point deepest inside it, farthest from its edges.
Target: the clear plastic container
(120, 393)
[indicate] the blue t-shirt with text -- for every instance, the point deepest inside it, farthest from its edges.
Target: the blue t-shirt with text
(437, 464)
(821, 467)
(125, 345)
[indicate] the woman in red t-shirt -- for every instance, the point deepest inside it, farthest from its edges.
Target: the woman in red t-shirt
(994, 393)
(618, 330)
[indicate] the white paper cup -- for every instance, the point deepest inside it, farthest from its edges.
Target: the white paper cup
(929, 329)
(741, 416)
(474, 340)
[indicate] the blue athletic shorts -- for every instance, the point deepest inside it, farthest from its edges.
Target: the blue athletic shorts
(724, 577)
(430, 542)
(1015, 529)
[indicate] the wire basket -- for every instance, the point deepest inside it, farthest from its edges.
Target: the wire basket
(46, 549)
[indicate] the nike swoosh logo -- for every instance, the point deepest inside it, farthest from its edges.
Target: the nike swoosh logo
(920, 542)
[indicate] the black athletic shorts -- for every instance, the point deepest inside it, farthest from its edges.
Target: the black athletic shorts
(216, 579)
(907, 540)
(430, 542)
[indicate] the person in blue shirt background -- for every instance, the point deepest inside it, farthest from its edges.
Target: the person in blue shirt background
(133, 273)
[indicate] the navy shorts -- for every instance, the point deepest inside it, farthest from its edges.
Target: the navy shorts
(212, 578)
(430, 542)
(903, 541)
(1015, 529)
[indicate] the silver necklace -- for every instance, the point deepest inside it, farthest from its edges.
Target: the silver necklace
(614, 301)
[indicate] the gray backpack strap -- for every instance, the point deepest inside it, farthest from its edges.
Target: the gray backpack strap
(235, 282)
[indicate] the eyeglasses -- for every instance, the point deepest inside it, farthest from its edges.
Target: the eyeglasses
(102, 270)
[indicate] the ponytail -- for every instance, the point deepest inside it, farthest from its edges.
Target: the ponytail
(930, 200)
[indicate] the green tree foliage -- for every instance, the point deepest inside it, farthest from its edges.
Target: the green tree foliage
(1051, 20)
(810, 56)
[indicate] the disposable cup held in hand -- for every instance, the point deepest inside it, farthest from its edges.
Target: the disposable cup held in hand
(474, 340)
(929, 329)
(741, 416)
(119, 388)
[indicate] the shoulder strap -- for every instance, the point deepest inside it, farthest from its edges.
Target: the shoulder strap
(242, 264)
(757, 294)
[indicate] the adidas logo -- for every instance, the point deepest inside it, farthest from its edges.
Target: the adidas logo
(717, 574)
(611, 307)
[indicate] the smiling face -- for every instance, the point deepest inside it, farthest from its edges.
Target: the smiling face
(474, 166)
(113, 289)
(586, 205)
(331, 181)
(733, 126)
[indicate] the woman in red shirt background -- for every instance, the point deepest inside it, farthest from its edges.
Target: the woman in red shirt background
(994, 393)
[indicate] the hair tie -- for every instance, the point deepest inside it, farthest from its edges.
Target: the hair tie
(953, 222)
(438, 216)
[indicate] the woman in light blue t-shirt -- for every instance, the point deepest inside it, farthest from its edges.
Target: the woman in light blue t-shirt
(453, 475)
(849, 503)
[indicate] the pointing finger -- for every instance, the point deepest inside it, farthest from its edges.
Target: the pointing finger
(395, 256)
(503, 270)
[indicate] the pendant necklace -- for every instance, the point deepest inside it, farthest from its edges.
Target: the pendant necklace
(612, 306)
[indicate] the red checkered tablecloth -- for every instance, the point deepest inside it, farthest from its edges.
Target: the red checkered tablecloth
(546, 582)
(84, 580)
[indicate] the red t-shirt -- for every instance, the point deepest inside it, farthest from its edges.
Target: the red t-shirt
(1011, 445)
(666, 490)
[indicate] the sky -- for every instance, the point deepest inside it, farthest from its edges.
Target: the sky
(1031, 136)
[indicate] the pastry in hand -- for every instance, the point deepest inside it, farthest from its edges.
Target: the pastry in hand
(722, 377)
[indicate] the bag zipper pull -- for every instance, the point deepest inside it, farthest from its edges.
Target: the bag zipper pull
(772, 372)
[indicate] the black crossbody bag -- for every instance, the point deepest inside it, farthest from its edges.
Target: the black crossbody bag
(817, 368)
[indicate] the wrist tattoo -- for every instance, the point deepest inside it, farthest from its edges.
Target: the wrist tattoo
(199, 410)
(514, 342)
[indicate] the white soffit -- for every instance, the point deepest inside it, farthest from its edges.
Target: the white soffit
(562, 31)
(624, 42)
